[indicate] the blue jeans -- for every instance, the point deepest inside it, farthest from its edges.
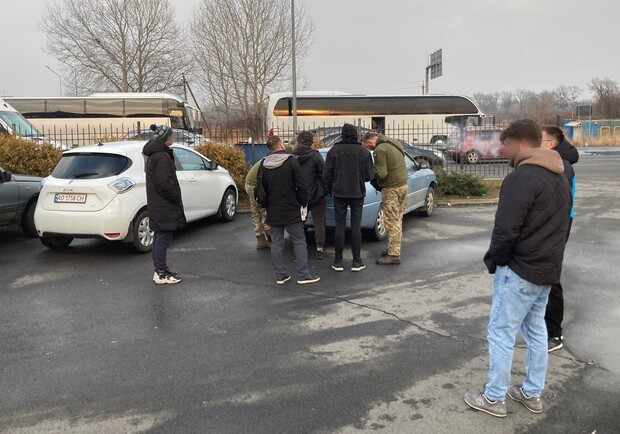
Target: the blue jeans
(518, 305)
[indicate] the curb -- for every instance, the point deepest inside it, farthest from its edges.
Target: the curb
(244, 210)
(464, 203)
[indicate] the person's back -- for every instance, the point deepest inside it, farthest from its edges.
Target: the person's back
(390, 165)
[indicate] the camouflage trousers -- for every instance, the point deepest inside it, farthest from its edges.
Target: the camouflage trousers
(258, 214)
(394, 203)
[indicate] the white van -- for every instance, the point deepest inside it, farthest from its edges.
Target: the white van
(12, 122)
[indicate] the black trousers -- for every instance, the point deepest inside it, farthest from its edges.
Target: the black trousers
(161, 242)
(340, 210)
(554, 315)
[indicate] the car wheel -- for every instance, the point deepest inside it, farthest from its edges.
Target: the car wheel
(473, 157)
(228, 207)
(379, 232)
(27, 223)
(56, 242)
(429, 207)
(141, 233)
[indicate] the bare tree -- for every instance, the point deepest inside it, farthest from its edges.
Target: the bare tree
(116, 45)
(243, 50)
(607, 94)
(488, 102)
(567, 97)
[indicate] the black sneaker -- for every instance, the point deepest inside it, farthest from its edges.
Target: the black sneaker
(308, 280)
(357, 266)
(320, 253)
(337, 266)
(283, 280)
(555, 343)
(165, 277)
(478, 401)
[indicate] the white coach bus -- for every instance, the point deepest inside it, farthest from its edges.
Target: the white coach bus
(78, 121)
(420, 118)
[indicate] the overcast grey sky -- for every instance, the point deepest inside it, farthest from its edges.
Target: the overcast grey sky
(381, 46)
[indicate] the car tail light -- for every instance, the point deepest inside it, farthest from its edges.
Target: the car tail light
(113, 235)
(121, 185)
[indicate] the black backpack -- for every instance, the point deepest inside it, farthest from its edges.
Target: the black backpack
(260, 194)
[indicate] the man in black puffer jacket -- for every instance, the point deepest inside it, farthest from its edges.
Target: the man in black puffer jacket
(526, 253)
(348, 167)
(312, 166)
(163, 197)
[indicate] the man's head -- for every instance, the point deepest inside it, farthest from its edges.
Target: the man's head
(349, 132)
(369, 140)
(305, 139)
(520, 135)
(551, 137)
(275, 144)
(163, 133)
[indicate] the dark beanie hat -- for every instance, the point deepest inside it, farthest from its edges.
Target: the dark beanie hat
(349, 132)
(161, 132)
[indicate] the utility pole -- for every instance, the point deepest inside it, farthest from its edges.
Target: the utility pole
(294, 65)
(74, 75)
(59, 79)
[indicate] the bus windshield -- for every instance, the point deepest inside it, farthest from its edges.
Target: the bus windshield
(19, 124)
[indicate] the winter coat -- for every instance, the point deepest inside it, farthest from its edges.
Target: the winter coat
(312, 167)
(163, 193)
(532, 218)
(285, 188)
(390, 167)
(568, 152)
(348, 167)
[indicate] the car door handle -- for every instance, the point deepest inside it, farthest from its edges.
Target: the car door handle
(192, 180)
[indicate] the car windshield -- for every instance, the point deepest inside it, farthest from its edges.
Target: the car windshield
(90, 166)
(20, 124)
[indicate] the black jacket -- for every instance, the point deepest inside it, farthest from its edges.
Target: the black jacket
(163, 193)
(348, 167)
(532, 219)
(285, 188)
(568, 152)
(312, 167)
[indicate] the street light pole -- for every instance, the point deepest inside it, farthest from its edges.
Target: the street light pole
(294, 65)
(59, 78)
(74, 75)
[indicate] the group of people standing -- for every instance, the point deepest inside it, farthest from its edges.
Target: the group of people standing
(296, 183)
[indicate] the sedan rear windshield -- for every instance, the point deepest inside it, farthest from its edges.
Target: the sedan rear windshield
(91, 166)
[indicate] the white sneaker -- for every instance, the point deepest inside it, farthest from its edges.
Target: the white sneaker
(165, 278)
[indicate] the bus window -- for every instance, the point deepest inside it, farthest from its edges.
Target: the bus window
(66, 108)
(135, 107)
(105, 107)
(30, 108)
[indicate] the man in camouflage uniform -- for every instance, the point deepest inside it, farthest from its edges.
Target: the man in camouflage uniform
(261, 228)
(391, 176)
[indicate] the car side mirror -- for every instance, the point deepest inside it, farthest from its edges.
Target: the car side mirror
(5, 176)
(213, 165)
(424, 165)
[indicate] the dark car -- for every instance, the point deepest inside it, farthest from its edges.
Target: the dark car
(18, 199)
(433, 157)
(475, 145)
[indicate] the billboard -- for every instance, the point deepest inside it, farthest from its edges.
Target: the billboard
(436, 64)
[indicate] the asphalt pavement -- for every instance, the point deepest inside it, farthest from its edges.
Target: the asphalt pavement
(89, 345)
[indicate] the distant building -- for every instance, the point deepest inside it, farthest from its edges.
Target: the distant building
(596, 129)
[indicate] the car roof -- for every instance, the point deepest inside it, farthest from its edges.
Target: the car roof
(120, 147)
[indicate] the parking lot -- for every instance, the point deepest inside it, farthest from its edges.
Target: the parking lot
(89, 344)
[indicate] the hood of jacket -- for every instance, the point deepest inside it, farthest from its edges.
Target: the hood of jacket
(349, 133)
(546, 158)
(304, 155)
(155, 145)
(275, 160)
(567, 151)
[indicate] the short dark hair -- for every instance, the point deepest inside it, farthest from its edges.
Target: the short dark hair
(273, 141)
(305, 138)
(369, 136)
(523, 129)
(554, 132)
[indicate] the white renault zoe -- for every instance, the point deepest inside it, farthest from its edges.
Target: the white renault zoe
(100, 192)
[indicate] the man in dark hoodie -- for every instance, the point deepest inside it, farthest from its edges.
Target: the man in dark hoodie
(286, 193)
(163, 196)
(526, 253)
(348, 167)
(312, 167)
(553, 138)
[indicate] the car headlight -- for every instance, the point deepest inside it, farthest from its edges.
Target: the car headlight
(122, 185)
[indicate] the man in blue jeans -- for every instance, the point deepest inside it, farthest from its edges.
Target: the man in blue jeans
(526, 253)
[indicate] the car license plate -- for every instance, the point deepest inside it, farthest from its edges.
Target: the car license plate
(69, 198)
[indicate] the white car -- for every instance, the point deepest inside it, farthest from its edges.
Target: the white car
(100, 192)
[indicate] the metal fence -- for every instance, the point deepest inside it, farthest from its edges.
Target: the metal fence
(474, 149)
